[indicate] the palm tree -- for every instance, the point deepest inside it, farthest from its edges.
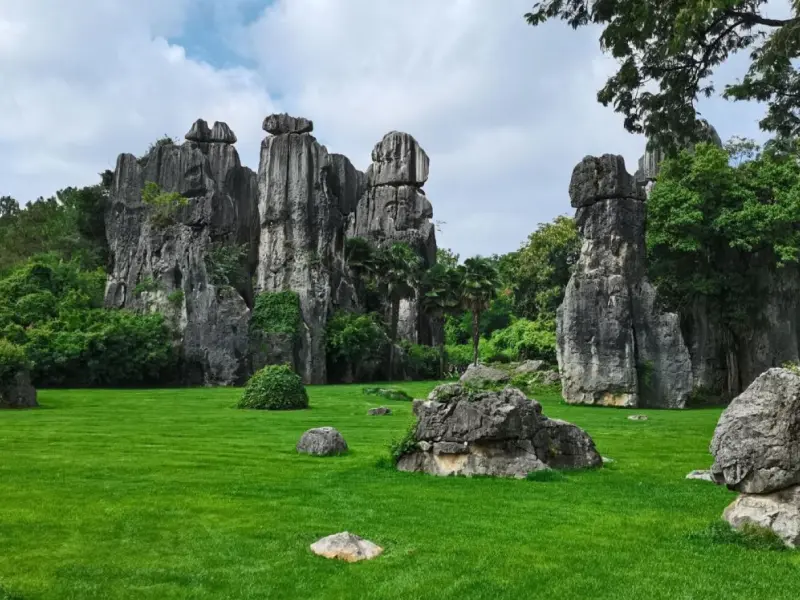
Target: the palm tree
(440, 288)
(479, 281)
(397, 269)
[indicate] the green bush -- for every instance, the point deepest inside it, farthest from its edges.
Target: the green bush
(12, 361)
(404, 445)
(164, 206)
(225, 264)
(277, 312)
(176, 298)
(422, 362)
(275, 387)
(523, 340)
(148, 284)
(351, 340)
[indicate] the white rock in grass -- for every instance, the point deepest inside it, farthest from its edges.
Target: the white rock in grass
(702, 475)
(346, 546)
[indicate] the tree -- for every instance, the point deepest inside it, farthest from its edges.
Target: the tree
(446, 257)
(668, 51)
(359, 256)
(440, 297)
(397, 270)
(479, 281)
(8, 207)
(543, 268)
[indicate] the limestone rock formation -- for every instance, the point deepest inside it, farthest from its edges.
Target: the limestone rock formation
(481, 375)
(301, 240)
(282, 123)
(756, 444)
(161, 264)
(492, 433)
(395, 209)
(778, 511)
(222, 134)
(18, 392)
(346, 546)
(322, 441)
(615, 347)
(529, 366)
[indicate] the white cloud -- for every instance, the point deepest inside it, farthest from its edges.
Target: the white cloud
(504, 110)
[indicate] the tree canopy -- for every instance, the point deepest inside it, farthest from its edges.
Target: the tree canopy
(668, 51)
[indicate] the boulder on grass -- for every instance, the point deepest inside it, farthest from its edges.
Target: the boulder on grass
(779, 512)
(18, 392)
(529, 366)
(756, 444)
(322, 441)
(502, 433)
(346, 546)
(480, 375)
(379, 411)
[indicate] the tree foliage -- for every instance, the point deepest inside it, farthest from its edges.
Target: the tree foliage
(668, 51)
(353, 340)
(716, 225)
(277, 312)
(275, 387)
(479, 281)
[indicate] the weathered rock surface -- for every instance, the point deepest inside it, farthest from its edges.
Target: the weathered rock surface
(222, 134)
(778, 511)
(481, 375)
(168, 261)
(18, 392)
(346, 546)
(637, 418)
(756, 444)
(301, 241)
(322, 441)
(492, 433)
(379, 411)
(701, 475)
(529, 366)
(615, 347)
(281, 124)
(395, 209)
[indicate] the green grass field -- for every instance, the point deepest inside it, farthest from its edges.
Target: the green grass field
(176, 494)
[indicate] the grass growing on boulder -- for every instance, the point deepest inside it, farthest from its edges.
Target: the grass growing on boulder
(277, 312)
(275, 387)
(388, 393)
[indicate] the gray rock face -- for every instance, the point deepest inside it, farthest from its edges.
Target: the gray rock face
(281, 124)
(492, 433)
(222, 134)
(481, 375)
(395, 209)
(301, 242)
(779, 511)
(529, 366)
(756, 444)
(346, 546)
(398, 160)
(379, 411)
(322, 441)
(615, 347)
(18, 392)
(199, 132)
(167, 261)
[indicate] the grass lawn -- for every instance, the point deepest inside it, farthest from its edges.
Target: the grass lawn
(175, 494)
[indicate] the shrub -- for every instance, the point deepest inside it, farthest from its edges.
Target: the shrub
(164, 205)
(176, 298)
(148, 284)
(388, 393)
(225, 264)
(524, 339)
(275, 387)
(352, 339)
(12, 361)
(277, 312)
(422, 361)
(405, 445)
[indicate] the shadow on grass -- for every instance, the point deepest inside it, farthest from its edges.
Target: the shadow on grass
(750, 536)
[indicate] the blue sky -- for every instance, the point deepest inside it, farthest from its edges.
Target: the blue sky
(504, 111)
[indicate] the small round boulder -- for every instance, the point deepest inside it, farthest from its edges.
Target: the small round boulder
(379, 411)
(322, 441)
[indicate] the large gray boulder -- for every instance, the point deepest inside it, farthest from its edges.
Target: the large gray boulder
(482, 375)
(398, 160)
(778, 511)
(463, 432)
(346, 546)
(756, 444)
(163, 267)
(18, 392)
(615, 346)
(280, 124)
(322, 441)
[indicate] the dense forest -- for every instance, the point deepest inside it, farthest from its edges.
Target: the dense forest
(711, 214)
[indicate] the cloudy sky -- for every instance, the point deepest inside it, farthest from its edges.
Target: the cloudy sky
(504, 110)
